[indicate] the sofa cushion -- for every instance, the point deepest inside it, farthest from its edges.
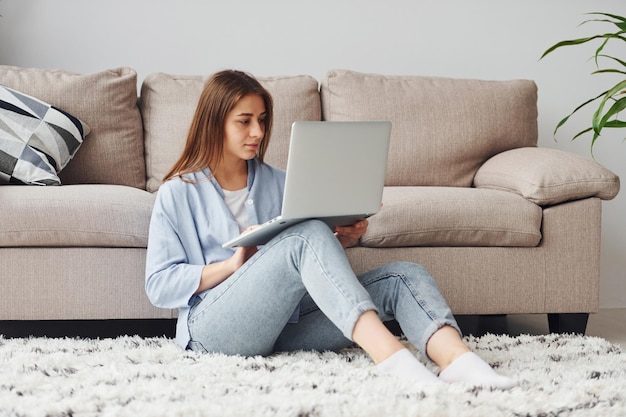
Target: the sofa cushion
(168, 103)
(547, 176)
(75, 215)
(443, 129)
(451, 216)
(107, 102)
(36, 140)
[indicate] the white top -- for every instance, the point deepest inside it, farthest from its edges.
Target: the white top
(235, 200)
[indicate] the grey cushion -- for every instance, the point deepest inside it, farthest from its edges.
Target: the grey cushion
(443, 128)
(168, 103)
(107, 102)
(37, 140)
(75, 215)
(451, 216)
(547, 176)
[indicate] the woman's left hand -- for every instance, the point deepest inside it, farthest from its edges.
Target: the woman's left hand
(350, 235)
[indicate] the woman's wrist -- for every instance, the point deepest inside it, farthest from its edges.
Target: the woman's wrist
(213, 274)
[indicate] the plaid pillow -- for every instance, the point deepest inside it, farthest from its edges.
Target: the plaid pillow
(37, 140)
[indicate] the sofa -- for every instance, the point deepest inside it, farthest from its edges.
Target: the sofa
(504, 226)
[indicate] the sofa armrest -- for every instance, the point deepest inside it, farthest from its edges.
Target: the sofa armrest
(547, 176)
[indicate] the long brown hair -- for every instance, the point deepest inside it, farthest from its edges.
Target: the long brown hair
(205, 141)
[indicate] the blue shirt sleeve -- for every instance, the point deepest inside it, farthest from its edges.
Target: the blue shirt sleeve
(189, 223)
(171, 280)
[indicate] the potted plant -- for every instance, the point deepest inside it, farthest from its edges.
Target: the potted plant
(613, 100)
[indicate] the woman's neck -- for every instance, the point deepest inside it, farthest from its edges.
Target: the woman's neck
(232, 177)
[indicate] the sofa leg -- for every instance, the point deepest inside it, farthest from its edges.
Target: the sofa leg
(394, 327)
(568, 322)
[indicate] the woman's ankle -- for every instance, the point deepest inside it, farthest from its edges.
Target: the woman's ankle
(372, 336)
(445, 346)
(452, 355)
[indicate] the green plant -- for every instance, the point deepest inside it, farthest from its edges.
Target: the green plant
(613, 100)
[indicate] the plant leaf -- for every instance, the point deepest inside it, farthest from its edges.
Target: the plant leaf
(580, 41)
(562, 122)
(603, 71)
(623, 63)
(600, 48)
(601, 118)
(615, 124)
(571, 42)
(593, 140)
(617, 107)
(596, 120)
(621, 23)
(618, 24)
(622, 20)
(614, 16)
(582, 132)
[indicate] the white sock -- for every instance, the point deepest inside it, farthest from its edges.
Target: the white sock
(404, 365)
(470, 368)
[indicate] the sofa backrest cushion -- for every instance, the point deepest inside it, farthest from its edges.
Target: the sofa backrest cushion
(168, 103)
(443, 128)
(107, 102)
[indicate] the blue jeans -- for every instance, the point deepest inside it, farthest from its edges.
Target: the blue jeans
(306, 268)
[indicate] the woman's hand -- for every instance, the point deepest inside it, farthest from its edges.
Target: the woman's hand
(350, 235)
(242, 254)
(215, 273)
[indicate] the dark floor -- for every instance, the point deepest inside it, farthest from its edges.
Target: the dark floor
(93, 329)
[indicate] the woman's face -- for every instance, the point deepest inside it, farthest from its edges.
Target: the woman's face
(244, 129)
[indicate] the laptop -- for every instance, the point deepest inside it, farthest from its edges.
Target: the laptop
(335, 173)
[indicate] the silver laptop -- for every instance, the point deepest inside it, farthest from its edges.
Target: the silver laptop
(335, 173)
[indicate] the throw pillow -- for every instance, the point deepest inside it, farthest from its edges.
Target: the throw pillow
(547, 176)
(37, 140)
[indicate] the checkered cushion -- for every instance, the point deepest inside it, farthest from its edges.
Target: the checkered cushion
(37, 140)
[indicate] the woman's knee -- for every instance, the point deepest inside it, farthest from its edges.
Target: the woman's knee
(410, 269)
(412, 274)
(314, 226)
(309, 232)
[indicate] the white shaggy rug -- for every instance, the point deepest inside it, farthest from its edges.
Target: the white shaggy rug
(560, 375)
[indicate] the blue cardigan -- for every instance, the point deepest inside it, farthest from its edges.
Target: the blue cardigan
(189, 223)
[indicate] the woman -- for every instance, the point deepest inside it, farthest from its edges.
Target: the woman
(297, 292)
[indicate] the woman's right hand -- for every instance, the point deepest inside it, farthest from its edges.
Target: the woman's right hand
(242, 254)
(215, 273)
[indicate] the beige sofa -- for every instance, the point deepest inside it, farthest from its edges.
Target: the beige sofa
(504, 226)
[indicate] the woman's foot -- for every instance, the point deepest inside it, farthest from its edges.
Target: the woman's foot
(404, 364)
(470, 368)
